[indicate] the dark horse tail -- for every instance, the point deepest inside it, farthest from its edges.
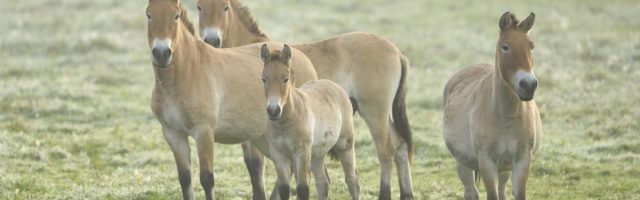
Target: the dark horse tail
(399, 108)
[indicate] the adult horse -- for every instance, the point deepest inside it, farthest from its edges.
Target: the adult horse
(369, 68)
(212, 95)
(491, 123)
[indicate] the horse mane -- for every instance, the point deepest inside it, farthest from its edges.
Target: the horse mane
(186, 21)
(247, 18)
(275, 55)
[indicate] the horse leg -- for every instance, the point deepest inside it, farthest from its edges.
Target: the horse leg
(275, 194)
(204, 143)
(503, 177)
(347, 157)
(283, 169)
(520, 175)
(179, 144)
(401, 158)
(489, 173)
(321, 176)
(254, 160)
(302, 158)
(377, 120)
(467, 177)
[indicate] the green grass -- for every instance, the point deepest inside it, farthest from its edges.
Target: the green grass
(76, 79)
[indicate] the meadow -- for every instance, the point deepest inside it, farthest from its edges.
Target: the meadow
(76, 80)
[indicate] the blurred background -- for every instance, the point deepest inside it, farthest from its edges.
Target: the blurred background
(76, 80)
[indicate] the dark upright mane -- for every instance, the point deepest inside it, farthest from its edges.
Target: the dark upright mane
(186, 21)
(246, 18)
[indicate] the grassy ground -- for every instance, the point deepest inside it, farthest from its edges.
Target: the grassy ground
(76, 78)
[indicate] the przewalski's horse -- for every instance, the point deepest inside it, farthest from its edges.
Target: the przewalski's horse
(207, 93)
(304, 125)
(369, 68)
(491, 123)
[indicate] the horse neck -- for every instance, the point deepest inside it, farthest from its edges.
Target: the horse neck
(238, 34)
(185, 50)
(507, 103)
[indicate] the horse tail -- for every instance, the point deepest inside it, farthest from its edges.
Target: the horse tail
(399, 108)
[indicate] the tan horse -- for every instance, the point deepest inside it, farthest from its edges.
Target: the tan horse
(369, 68)
(206, 93)
(491, 123)
(304, 125)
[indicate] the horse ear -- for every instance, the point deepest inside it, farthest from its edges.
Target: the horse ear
(265, 55)
(527, 24)
(507, 21)
(286, 54)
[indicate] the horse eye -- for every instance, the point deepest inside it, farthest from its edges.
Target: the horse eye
(505, 48)
(199, 8)
(175, 18)
(286, 80)
(225, 8)
(149, 16)
(264, 80)
(533, 46)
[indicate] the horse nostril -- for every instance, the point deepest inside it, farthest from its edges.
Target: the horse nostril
(213, 41)
(167, 53)
(161, 53)
(528, 85)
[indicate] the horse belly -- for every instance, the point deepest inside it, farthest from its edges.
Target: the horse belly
(325, 136)
(232, 130)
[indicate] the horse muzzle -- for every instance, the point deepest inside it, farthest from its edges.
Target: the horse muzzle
(274, 112)
(212, 36)
(526, 89)
(161, 57)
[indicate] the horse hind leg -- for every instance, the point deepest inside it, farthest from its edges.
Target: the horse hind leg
(377, 120)
(468, 179)
(254, 160)
(347, 157)
(321, 177)
(401, 158)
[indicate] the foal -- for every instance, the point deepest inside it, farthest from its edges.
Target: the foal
(304, 124)
(491, 123)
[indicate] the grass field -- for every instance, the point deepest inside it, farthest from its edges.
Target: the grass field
(76, 79)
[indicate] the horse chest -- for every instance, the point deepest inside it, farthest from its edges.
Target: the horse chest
(173, 117)
(505, 143)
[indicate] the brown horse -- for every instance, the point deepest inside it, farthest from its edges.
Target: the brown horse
(369, 68)
(491, 123)
(304, 125)
(212, 95)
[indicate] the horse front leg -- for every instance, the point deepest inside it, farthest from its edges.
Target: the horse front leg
(179, 144)
(283, 169)
(254, 160)
(204, 142)
(303, 161)
(520, 174)
(489, 173)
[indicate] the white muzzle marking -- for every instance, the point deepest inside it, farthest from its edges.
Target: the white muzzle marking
(212, 35)
(525, 84)
(162, 44)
